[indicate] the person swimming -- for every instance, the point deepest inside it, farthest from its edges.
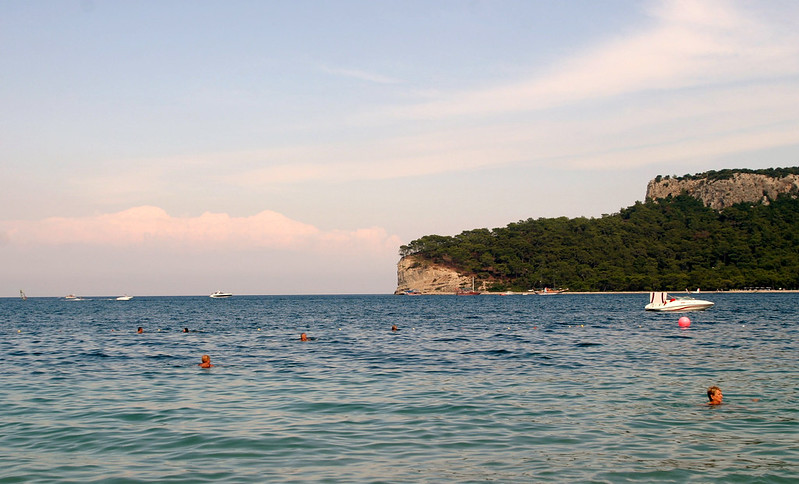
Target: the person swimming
(185, 330)
(303, 337)
(714, 395)
(140, 330)
(394, 327)
(206, 362)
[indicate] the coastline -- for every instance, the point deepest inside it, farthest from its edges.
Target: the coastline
(526, 293)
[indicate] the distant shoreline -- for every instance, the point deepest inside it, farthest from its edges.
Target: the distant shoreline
(484, 293)
(525, 293)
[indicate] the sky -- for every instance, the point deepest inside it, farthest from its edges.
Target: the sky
(291, 147)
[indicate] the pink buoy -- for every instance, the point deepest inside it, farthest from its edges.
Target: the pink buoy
(684, 322)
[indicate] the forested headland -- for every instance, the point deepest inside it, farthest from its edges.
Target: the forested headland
(664, 244)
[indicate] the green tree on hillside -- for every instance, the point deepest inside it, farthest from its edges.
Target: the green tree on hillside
(670, 243)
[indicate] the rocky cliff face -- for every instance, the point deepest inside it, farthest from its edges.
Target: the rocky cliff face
(416, 274)
(718, 194)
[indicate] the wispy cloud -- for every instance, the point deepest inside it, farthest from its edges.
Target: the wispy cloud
(361, 75)
(716, 70)
(691, 44)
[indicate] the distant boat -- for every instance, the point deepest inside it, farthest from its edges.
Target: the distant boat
(124, 298)
(22, 295)
(661, 301)
(466, 292)
(219, 294)
(411, 292)
(72, 297)
(548, 291)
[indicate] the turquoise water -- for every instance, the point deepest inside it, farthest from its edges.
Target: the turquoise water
(569, 388)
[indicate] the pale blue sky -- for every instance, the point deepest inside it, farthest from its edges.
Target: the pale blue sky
(265, 147)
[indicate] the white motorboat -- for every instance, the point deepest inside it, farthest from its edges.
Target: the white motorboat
(661, 301)
(124, 298)
(219, 294)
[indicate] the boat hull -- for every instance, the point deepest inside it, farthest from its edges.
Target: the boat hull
(660, 301)
(671, 308)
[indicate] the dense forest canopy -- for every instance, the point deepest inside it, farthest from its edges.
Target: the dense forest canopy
(665, 244)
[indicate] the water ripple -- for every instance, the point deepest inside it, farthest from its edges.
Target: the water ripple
(513, 389)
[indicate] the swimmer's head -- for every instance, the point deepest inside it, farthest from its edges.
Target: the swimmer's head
(714, 395)
(394, 328)
(206, 358)
(140, 330)
(303, 337)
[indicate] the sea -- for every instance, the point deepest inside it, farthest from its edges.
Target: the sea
(489, 388)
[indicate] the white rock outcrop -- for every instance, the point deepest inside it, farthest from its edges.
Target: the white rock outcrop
(719, 194)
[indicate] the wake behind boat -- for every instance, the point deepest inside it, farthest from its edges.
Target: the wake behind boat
(661, 301)
(220, 294)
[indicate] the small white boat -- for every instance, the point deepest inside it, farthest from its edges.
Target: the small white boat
(219, 294)
(661, 301)
(124, 298)
(547, 291)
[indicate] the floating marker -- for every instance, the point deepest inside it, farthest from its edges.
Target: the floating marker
(684, 322)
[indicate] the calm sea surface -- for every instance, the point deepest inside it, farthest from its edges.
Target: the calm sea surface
(569, 388)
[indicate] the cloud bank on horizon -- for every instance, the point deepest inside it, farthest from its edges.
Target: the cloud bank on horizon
(241, 251)
(348, 130)
(154, 227)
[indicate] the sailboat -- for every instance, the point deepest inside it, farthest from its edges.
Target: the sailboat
(22, 295)
(464, 292)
